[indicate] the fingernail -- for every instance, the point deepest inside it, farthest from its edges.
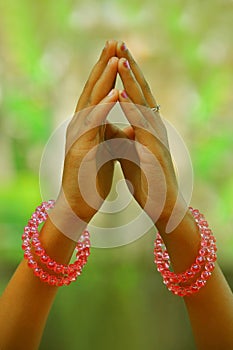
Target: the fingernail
(111, 92)
(126, 64)
(123, 47)
(124, 94)
(110, 60)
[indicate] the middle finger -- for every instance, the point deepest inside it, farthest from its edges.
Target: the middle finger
(132, 87)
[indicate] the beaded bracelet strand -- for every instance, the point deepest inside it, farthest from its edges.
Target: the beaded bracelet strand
(202, 267)
(64, 274)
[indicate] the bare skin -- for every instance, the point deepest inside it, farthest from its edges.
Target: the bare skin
(27, 298)
(211, 309)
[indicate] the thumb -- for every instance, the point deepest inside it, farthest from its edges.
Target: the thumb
(112, 132)
(129, 132)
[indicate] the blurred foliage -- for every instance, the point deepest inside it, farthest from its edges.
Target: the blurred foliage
(46, 52)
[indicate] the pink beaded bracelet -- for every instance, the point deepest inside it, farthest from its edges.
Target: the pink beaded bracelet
(202, 266)
(64, 274)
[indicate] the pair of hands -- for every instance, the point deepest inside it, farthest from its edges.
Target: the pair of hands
(93, 144)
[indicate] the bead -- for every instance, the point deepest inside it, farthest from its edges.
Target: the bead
(209, 266)
(52, 280)
(175, 289)
(157, 249)
(200, 283)
(159, 256)
(181, 292)
(175, 279)
(32, 223)
(79, 246)
(77, 264)
(72, 276)
(188, 291)
(71, 269)
(212, 257)
(66, 270)
(166, 256)
(214, 249)
(87, 243)
(44, 258)
(32, 263)
(39, 251)
(205, 243)
(183, 278)
(35, 242)
(205, 275)
(195, 212)
(24, 236)
(66, 281)
(160, 268)
(25, 245)
(44, 276)
(166, 281)
(200, 260)
(50, 264)
(203, 252)
(213, 238)
(27, 254)
(194, 288)
(203, 223)
(37, 271)
(26, 230)
(59, 282)
(86, 251)
(51, 203)
(59, 268)
(189, 274)
(195, 268)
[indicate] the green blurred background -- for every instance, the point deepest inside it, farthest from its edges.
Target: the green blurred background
(47, 49)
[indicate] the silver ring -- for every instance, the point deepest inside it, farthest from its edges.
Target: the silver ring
(156, 108)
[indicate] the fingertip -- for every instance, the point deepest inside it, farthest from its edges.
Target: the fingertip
(109, 50)
(123, 65)
(112, 41)
(106, 45)
(129, 132)
(111, 45)
(113, 60)
(123, 94)
(113, 94)
(121, 48)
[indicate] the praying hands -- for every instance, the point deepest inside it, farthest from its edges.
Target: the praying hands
(93, 145)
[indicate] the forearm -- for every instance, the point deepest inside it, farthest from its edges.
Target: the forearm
(211, 309)
(25, 304)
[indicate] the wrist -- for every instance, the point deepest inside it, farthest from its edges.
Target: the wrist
(68, 219)
(174, 212)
